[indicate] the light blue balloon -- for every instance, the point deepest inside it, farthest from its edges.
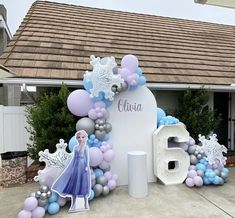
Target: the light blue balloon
(142, 81)
(201, 166)
(160, 114)
(98, 172)
(46, 207)
(53, 208)
(139, 71)
(53, 197)
(91, 195)
(206, 181)
(107, 136)
(216, 180)
(72, 143)
(87, 85)
(225, 170)
(107, 102)
(133, 87)
(92, 137)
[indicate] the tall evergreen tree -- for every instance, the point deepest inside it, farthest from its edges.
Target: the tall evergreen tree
(49, 120)
(195, 113)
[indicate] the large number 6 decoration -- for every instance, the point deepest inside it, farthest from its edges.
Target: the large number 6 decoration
(164, 155)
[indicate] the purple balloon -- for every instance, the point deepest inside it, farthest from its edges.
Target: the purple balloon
(115, 177)
(24, 214)
(79, 102)
(104, 165)
(108, 175)
(112, 184)
(38, 212)
(191, 141)
(198, 181)
(100, 104)
(96, 156)
(133, 79)
(47, 180)
(189, 182)
(130, 62)
(61, 201)
(109, 155)
(184, 146)
(124, 73)
(30, 203)
(92, 114)
(192, 173)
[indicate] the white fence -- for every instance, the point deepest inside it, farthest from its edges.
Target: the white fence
(13, 135)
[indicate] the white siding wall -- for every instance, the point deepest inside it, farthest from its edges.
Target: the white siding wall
(13, 135)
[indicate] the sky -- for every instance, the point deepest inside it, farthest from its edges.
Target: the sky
(186, 9)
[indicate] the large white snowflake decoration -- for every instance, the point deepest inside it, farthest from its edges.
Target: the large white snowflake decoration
(213, 150)
(56, 161)
(102, 77)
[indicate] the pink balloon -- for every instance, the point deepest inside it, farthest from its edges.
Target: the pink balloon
(24, 214)
(112, 184)
(38, 212)
(130, 62)
(79, 102)
(198, 181)
(108, 175)
(192, 173)
(96, 156)
(109, 155)
(30, 203)
(189, 182)
(104, 165)
(103, 148)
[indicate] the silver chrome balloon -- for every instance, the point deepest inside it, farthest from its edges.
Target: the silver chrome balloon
(98, 190)
(105, 190)
(101, 180)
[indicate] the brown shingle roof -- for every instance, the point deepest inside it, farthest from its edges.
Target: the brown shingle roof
(56, 40)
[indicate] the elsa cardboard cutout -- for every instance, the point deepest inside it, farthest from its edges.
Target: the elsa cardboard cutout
(74, 181)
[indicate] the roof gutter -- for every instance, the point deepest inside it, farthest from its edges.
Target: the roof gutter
(224, 3)
(79, 83)
(3, 25)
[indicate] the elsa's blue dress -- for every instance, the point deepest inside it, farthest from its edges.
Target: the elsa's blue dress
(75, 179)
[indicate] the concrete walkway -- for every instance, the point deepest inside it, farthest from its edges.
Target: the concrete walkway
(176, 201)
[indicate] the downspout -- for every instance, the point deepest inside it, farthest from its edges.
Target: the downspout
(3, 25)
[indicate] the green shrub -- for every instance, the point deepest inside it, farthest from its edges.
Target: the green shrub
(49, 120)
(195, 113)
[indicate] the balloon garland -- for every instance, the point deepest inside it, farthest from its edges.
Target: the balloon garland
(101, 86)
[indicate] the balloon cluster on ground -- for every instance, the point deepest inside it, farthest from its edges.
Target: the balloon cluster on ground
(201, 171)
(42, 201)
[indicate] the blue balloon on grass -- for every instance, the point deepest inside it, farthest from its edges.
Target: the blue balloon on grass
(53, 208)
(72, 143)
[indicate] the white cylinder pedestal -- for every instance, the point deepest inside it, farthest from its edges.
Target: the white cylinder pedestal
(137, 174)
